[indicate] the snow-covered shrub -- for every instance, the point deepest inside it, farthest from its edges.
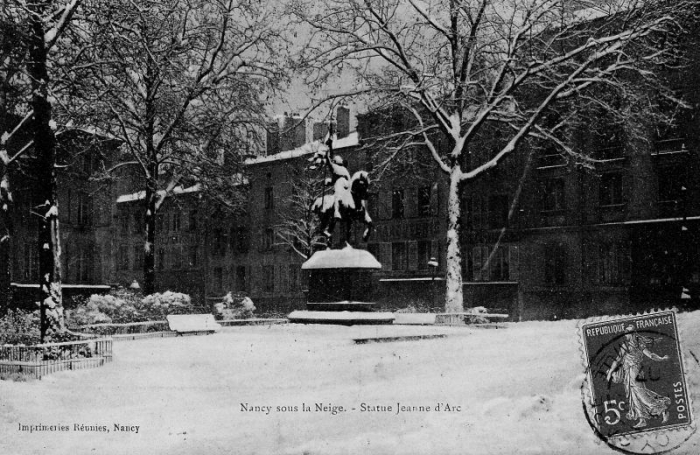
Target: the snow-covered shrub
(124, 306)
(19, 327)
(161, 305)
(477, 311)
(87, 314)
(234, 306)
(115, 307)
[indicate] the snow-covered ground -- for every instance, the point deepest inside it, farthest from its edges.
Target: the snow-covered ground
(513, 390)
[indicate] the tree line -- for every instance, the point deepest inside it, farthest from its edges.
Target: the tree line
(185, 86)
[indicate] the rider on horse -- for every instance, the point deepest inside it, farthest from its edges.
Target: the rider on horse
(340, 180)
(349, 199)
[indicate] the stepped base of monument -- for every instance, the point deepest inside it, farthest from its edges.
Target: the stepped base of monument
(340, 306)
(340, 317)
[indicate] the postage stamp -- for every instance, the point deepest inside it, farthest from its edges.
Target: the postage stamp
(635, 393)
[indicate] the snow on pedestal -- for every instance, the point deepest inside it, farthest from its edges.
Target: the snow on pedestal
(340, 288)
(346, 258)
(340, 317)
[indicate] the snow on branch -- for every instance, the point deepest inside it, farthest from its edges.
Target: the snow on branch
(55, 32)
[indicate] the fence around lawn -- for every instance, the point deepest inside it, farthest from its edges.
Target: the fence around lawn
(42, 359)
(159, 329)
(129, 330)
(253, 321)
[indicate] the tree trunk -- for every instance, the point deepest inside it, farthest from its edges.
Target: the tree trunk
(6, 201)
(50, 294)
(5, 242)
(454, 302)
(149, 254)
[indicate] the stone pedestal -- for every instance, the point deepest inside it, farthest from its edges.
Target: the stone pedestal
(340, 288)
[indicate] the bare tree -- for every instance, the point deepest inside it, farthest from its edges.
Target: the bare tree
(42, 24)
(298, 228)
(462, 68)
(183, 85)
(13, 101)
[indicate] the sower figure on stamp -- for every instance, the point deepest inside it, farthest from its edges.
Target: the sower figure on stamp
(627, 369)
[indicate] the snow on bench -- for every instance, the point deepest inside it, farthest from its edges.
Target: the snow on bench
(193, 323)
(467, 317)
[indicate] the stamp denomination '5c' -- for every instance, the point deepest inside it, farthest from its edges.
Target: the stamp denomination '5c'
(636, 387)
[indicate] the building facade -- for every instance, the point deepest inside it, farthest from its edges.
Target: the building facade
(542, 237)
(85, 206)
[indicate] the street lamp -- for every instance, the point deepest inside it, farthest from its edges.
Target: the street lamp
(433, 264)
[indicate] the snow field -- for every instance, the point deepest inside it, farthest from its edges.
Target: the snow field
(517, 391)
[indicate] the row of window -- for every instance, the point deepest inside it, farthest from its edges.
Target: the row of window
(78, 208)
(271, 279)
(609, 264)
(235, 240)
(422, 200)
(500, 264)
(172, 257)
(239, 280)
(553, 192)
(402, 256)
(287, 278)
(396, 204)
(171, 221)
(79, 265)
(611, 189)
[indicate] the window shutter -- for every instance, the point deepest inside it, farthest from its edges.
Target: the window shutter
(185, 221)
(412, 255)
(479, 217)
(435, 251)
(384, 205)
(411, 202)
(476, 262)
(434, 204)
(486, 264)
(514, 263)
(281, 285)
(73, 215)
(385, 253)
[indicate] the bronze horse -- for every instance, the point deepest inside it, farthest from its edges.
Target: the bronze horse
(352, 206)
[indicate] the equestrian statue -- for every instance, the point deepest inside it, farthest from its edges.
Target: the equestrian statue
(348, 201)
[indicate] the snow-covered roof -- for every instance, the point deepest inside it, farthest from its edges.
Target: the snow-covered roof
(347, 258)
(237, 179)
(350, 140)
(140, 195)
(64, 286)
(91, 130)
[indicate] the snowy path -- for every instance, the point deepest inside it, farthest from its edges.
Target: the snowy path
(517, 390)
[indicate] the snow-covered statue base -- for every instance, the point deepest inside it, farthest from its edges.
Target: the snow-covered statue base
(340, 288)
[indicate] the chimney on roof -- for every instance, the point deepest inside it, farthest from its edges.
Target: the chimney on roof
(293, 131)
(320, 129)
(343, 120)
(273, 137)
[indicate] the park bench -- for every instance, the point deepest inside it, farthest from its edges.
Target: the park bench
(193, 324)
(468, 318)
